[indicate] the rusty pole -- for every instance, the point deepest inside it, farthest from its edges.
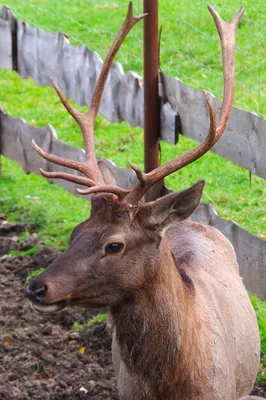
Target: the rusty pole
(151, 77)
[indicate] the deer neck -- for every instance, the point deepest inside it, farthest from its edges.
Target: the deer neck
(157, 329)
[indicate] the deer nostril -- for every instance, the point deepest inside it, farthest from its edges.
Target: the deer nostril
(40, 292)
(36, 294)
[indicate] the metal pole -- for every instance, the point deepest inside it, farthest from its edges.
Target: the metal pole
(151, 77)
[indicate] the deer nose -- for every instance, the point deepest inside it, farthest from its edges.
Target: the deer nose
(36, 292)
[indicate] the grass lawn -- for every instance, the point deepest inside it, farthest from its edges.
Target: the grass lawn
(189, 44)
(190, 54)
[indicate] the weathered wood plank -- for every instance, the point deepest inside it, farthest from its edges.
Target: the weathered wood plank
(244, 141)
(16, 138)
(5, 45)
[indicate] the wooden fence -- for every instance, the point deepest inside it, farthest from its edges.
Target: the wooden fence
(39, 55)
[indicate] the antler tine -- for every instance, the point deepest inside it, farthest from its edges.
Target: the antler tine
(128, 24)
(65, 162)
(227, 33)
(85, 123)
(121, 193)
(80, 180)
(145, 181)
(72, 111)
(86, 120)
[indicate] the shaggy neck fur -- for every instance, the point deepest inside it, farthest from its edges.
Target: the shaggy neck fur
(160, 338)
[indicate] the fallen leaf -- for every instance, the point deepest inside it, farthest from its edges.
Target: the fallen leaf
(81, 350)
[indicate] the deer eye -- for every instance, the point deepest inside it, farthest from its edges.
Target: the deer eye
(113, 248)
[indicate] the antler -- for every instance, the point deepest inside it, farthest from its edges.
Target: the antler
(94, 179)
(86, 122)
(227, 33)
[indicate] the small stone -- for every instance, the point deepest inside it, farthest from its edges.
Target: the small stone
(83, 389)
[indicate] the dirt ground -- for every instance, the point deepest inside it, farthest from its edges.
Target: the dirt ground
(41, 356)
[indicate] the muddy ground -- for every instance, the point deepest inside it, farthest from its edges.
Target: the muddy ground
(42, 356)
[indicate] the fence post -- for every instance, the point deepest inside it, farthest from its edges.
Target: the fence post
(151, 96)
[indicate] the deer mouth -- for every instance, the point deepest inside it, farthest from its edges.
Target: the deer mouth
(49, 308)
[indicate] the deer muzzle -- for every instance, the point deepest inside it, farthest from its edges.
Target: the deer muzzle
(36, 292)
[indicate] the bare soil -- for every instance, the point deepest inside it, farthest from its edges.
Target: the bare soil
(42, 356)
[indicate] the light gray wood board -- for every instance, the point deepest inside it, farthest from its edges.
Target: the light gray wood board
(5, 44)
(250, 250)
(16, 138)
(42, 55)
(244, 141)
(16, 143)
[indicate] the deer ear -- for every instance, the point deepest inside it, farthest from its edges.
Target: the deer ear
(172, 207)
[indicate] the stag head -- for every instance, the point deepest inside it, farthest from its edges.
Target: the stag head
(118, 249)
(112, 254)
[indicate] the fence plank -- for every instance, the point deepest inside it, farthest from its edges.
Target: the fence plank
(244, 141)
(5, 45)
(16, 138)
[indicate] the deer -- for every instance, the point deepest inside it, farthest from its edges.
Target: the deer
(183, 327)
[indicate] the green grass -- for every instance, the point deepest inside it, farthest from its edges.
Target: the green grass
(56, 212)
(262, 371)
(34, 273)
(97, 319)
(189, 44)
(29, 252)
(260, 308)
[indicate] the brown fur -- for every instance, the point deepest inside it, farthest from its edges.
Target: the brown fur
(183, 325)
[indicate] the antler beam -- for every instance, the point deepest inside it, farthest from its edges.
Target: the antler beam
(94, 179)
(86, 122)
(227, 33)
